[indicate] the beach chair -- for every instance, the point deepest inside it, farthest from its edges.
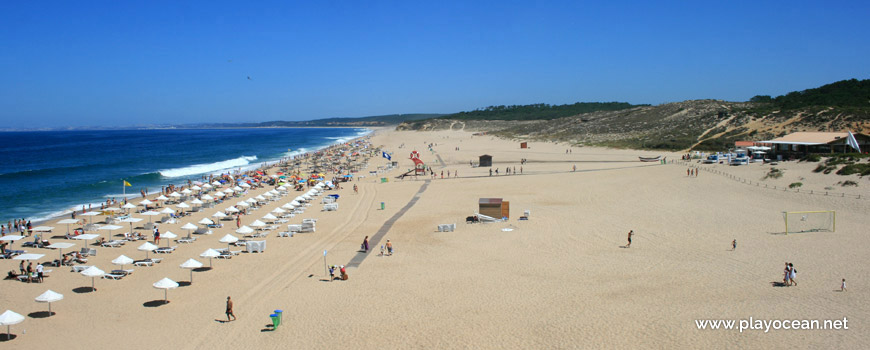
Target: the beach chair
(165, 250)
(122, 272)
(285, 234)
(113, 276)
(446, 227)
(143, 263)
(80, 268)
(186, 240)
(113, 244)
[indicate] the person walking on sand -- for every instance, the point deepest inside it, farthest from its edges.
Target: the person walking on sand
(389, 248)
(689, 172)
(785, 275)
(630, 233)
(355, 189)
(365, 244)
(843, 286)
(733, 245)
(792, 273)
(230, 310)
(575, 168)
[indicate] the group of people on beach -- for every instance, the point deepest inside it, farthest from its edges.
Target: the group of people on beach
(692, 172)
(38, 274)
(22, 226)
(507, 171)
(789, 274)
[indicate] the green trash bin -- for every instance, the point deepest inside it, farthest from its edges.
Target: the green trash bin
(382, 205)
(383, 180)
(280, 314)
(275, 321)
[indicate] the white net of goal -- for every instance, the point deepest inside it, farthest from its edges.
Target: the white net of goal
(809, 221)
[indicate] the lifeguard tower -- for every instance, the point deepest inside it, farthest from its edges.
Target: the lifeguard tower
(419, 166)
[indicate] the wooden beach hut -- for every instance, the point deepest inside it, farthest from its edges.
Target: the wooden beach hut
(485, 160)
(494, 207)
(524, 145)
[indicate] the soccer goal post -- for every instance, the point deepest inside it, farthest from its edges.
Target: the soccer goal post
(810, 221)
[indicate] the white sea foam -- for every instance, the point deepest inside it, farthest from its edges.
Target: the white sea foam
(216, 167)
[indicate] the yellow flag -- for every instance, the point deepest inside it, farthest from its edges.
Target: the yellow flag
(127, 183)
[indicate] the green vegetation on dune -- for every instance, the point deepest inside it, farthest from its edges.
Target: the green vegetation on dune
(539, 111)
(845, 93)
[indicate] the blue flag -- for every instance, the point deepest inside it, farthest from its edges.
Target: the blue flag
(387, 156)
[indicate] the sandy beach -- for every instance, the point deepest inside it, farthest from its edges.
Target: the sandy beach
(561, 280)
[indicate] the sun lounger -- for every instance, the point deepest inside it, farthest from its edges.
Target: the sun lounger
(113, 244)
(285, 234)
(123, 272)
(143, 263)
(165, 250)
(446, 227)
(186, 240)
(80, 268)
(113, 276)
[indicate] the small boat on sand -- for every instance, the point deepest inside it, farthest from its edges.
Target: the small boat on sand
(650, 159)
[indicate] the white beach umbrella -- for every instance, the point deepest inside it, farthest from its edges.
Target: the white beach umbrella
(186, 191)
(91, 214)
(260, 198)
(9, 318)
(216, 183)
(219, 215)
(287, 206)
(299, 199)
(238, 189)
(258, 223)
(166, 284)
(162, 198)
(68, 222)
(183, 205)
(282, 188)
(42, 229)
(196, 188)
(191, 264)
(87, 237)
(131, 221)
(145, 202)
(243, 204)
(278, 211)
(129, 206)
(232, 210)
(150, 214)
(245, 185)
(188, 226)
(60, 246)
(175, 195)
(273, 192)
(122, 260)
(306, 197)
(229, 239)
(110, 228)
(244, 230)
(196, 201)
(207, 186)
(49, 297)
(270, 217)
(29, 256)
(93, 272)
(168, 235)
(251, 200)
(206, 221)
(11, 238)
(207, 198)
(147, 247)
(229, 191)
(219, 194)
(167, 211)
(210, 253)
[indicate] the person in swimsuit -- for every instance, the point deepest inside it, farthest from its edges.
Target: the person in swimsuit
(230, 310)
(630, 233)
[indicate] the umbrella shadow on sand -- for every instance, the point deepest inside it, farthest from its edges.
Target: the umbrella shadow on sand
(7, 337)
(201, 269)
(183, 283)
(155, 303)
(41, 314)
(81, 290)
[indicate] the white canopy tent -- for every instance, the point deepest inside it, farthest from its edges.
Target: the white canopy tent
(9, 318)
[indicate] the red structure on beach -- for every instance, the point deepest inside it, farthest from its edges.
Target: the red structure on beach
(419, 167)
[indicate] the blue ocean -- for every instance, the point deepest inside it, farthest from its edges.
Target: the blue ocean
(44, 174)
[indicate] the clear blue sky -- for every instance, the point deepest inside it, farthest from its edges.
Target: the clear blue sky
(141, 62)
